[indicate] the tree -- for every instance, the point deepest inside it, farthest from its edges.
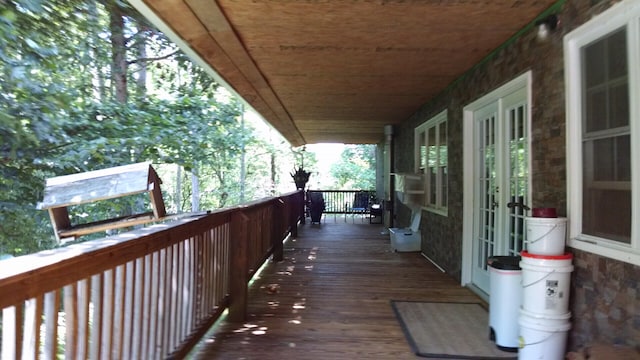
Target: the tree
(356, 168)
(90, 85)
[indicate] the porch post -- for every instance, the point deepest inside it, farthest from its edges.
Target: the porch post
(390, 205)
(277, 230)
(238, 287)
(297, 204)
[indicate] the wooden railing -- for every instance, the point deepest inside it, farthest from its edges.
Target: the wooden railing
(146, 294)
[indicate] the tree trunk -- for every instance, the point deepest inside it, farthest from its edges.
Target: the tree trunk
(95, 43)
(195, 190)
(141, 45)
(118, 53)
(179, 189)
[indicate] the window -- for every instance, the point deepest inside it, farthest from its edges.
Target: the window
(603, 133)
(431, 161)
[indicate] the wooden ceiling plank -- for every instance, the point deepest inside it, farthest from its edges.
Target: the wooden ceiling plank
(336, 70)
(213, 18)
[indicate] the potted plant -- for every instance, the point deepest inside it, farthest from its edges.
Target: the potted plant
(316, 206)
(300, 177)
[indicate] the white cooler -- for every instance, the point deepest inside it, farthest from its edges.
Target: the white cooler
(407, 239)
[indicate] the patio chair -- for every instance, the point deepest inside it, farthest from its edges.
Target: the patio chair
(360, 204)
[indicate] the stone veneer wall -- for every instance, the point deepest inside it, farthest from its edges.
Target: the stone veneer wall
(605, 295)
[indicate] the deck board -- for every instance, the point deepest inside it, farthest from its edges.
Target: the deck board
(333, 296)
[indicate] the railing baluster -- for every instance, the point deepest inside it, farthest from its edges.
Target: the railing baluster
(154, 294)
(129, 318)
(51, 306)
(71, 321)
(137, 323)
(32, 322)
(9, 338)
(117, 327)
(96, 300)
(107, 314)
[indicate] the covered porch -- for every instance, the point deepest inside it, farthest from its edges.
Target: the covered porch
(330, 299)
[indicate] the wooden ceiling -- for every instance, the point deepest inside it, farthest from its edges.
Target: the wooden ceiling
(339, 70)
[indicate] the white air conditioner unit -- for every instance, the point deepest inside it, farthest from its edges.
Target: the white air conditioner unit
(409, 189)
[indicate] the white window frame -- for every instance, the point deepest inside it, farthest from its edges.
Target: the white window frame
(626, 13)
(420, 133)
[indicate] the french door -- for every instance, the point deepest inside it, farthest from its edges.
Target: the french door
(501, 181)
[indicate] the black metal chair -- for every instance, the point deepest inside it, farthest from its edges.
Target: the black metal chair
(360, 204)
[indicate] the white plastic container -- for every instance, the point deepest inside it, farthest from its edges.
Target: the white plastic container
(543, 337)
(546, 236)
(545, 283)
(505, 285)
(407, 239)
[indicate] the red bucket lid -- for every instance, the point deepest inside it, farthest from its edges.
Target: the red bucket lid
(565, 256)
(544, 212)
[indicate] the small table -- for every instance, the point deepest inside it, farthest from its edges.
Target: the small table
(375, 211)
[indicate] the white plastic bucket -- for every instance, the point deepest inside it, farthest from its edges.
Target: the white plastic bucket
(545, 283)
(543, 337)
(546, 236)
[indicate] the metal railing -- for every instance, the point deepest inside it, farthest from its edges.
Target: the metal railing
(347, 202)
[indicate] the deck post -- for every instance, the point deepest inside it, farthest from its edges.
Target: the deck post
(277, 230)
(238, 284)
(297, 213)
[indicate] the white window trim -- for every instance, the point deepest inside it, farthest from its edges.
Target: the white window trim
(433, 122)
(626, 13)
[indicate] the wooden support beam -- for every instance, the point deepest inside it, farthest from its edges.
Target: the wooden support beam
(155, 194)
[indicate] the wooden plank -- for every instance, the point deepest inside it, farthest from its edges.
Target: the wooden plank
(104, 225)
(59, 219)
(96, 185)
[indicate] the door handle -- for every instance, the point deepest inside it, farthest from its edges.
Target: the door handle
(518, 204)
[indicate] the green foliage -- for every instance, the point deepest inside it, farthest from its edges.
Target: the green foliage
(356, 168)
(59, 115)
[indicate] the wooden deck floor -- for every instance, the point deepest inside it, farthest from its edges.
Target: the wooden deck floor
(330, 299)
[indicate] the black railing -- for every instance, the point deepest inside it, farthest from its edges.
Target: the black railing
(347, 202)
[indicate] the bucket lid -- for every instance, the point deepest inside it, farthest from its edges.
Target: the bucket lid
(504, 262)
(549, 212)
(565, 256)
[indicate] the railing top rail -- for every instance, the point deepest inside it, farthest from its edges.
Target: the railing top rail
(341, 191)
